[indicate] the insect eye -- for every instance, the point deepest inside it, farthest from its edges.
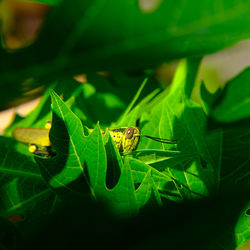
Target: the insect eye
(129, 133)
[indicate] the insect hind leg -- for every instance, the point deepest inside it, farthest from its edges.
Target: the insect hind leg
(44, 151)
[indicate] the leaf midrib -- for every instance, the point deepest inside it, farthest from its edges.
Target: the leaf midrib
(19, 172)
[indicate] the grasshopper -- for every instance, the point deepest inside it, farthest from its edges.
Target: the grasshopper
(126, 139)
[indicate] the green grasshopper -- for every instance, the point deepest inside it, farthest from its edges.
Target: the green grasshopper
(126, 139)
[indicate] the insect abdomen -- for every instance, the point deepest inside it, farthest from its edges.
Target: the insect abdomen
(38, 136)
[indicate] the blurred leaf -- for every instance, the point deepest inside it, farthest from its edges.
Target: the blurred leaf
(10, 238)
(242, 230)
(235, 158)
(16, 161)
(38, 117)
(42, 109)
(230, 111)
(132, 103)
(23, 192)
(122, 85)
(131, 117)
(234, 102)
(207, 97)
(120, 35)
(50, 2)
(105, 98)
(92, 106)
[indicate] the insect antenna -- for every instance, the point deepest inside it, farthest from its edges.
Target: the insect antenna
(167, 141)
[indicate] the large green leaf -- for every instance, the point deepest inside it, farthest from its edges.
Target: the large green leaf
(66, 131)
(81, 163)
(108, 35)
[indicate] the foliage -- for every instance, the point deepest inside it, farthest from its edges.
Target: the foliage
(191, 195)
(119, 35)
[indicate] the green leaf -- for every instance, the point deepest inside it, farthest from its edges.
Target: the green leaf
(114, 161)
(131, 118)
(235, 159)
(206, 165)
(132, 103)
(159, 159)
(181, 119)
(167, 111)
(16, 162)
(122, 197)
(68, 140)
(148, 186)
(122, 85)
(105, 98)
(92, 106)
(242, 230)
(161, 182)
(78, 156)
(234, 102)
